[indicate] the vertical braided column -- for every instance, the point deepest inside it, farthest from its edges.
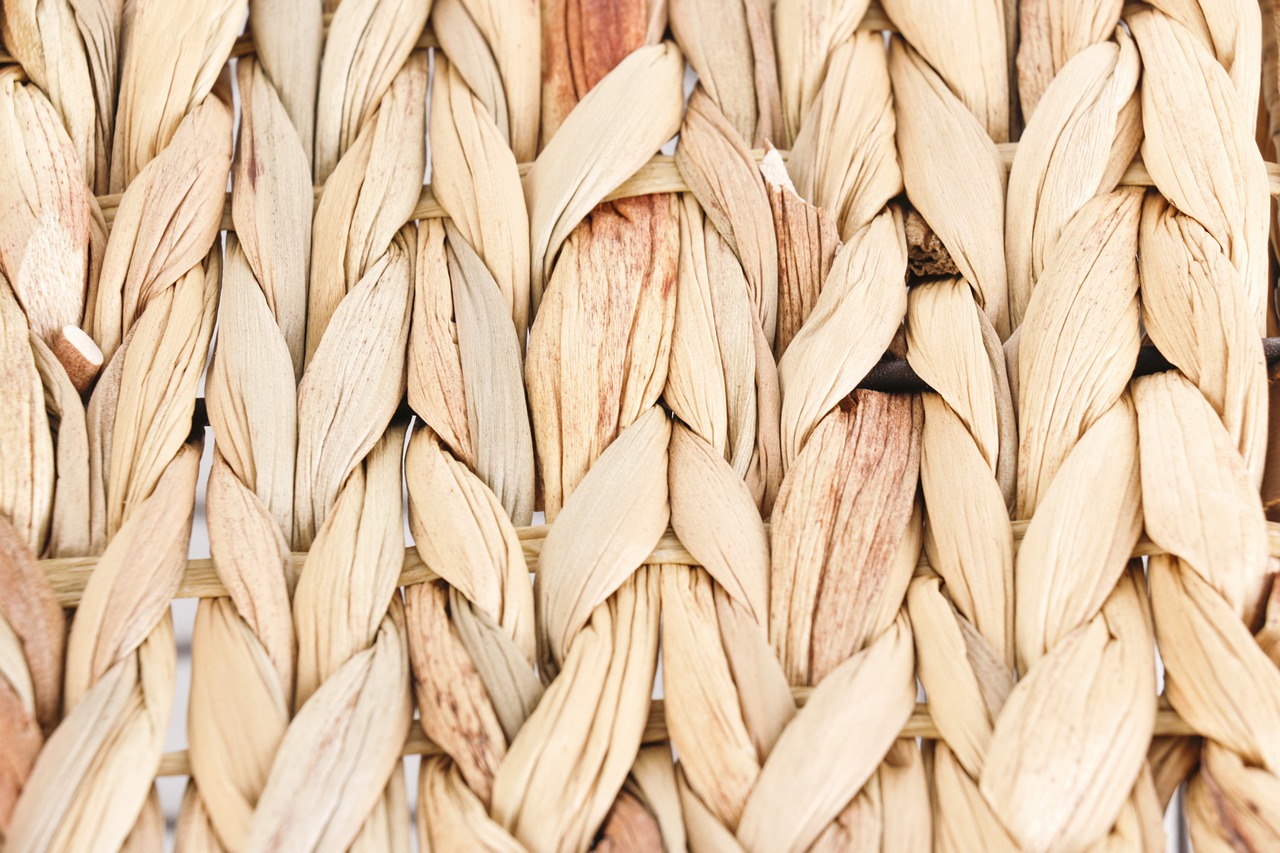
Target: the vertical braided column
(352, 703)
(470, 465)
(51, 243)
(846, 533)
(1082, 636)
(845, 536)
(604, 291)
(1202, 427)
(153, 316)
(726, 696)
(243, 646)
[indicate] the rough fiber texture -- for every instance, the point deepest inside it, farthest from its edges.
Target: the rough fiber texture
(672, 359)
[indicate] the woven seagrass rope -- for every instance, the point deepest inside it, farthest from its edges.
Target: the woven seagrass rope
(244, 645)
(1204, 285)
(680, 360)
(470, 465)
(92, 782)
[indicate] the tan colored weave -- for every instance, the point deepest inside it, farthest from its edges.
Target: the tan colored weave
(559, 461)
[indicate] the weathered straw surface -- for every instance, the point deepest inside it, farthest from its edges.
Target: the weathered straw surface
(1202, 428)
(243, 646)
(663, 355)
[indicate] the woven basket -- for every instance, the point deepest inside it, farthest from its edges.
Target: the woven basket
(820, 425)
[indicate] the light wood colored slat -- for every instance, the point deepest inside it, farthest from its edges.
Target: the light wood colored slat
(919, 725)
(68, 575)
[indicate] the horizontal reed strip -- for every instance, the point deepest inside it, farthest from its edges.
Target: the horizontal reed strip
(68, 575)
(660, 175)
(920, 725)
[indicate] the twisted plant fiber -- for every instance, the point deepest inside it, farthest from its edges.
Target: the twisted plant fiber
(152, 314)
(687, 357)
(1204, 288)
(243, 646)
(820, 608)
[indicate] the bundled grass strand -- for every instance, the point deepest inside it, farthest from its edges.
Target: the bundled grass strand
(352, 703)
(469, 466)
(671, 358)
(153, 323)
(1204, 287)
(243, 646)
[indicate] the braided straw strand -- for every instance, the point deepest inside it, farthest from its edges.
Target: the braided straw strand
(726, 696)
(50, 256)
(949, 111)
(470, 465)
(829, 600)
(990, 792)
(604, 293)
(244, 645)
(153, 317)
(1204, 283)
(352, 704)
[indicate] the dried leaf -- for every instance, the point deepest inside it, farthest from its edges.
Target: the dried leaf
(173, 56)
(1083, 531)
(475, 179)
(856, 316)
(250, 392)
(1085, 133)
(497, 417)
(965, 44)
(235, 688)
(349, 578)
(565, 767)
(352, 385)
(721, 172)
(1062, 390)
(605, 531)
(436, 391)
(368, 46)
(271, 205)
(44, 251)
(844, 159)
(715, 517)
(1191, 114)
(35, 628)
(806, 33)
(1094, 694)
(837, 582)
(706, 726)
(341, 749)
(833, 745)
(166, 222)
(287, 39)
(614, 129)
(162, 364)
(455, 710)
(70, 525)
(367, 198)
(495, 47)
(598, 351)
(954, 177)
(1198, 501)
(27, 473)
(1050, 34)
(452, 816)
(729, 44)
(69, 50)
(807, 246)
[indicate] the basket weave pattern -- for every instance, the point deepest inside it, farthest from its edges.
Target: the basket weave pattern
(842, 402)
